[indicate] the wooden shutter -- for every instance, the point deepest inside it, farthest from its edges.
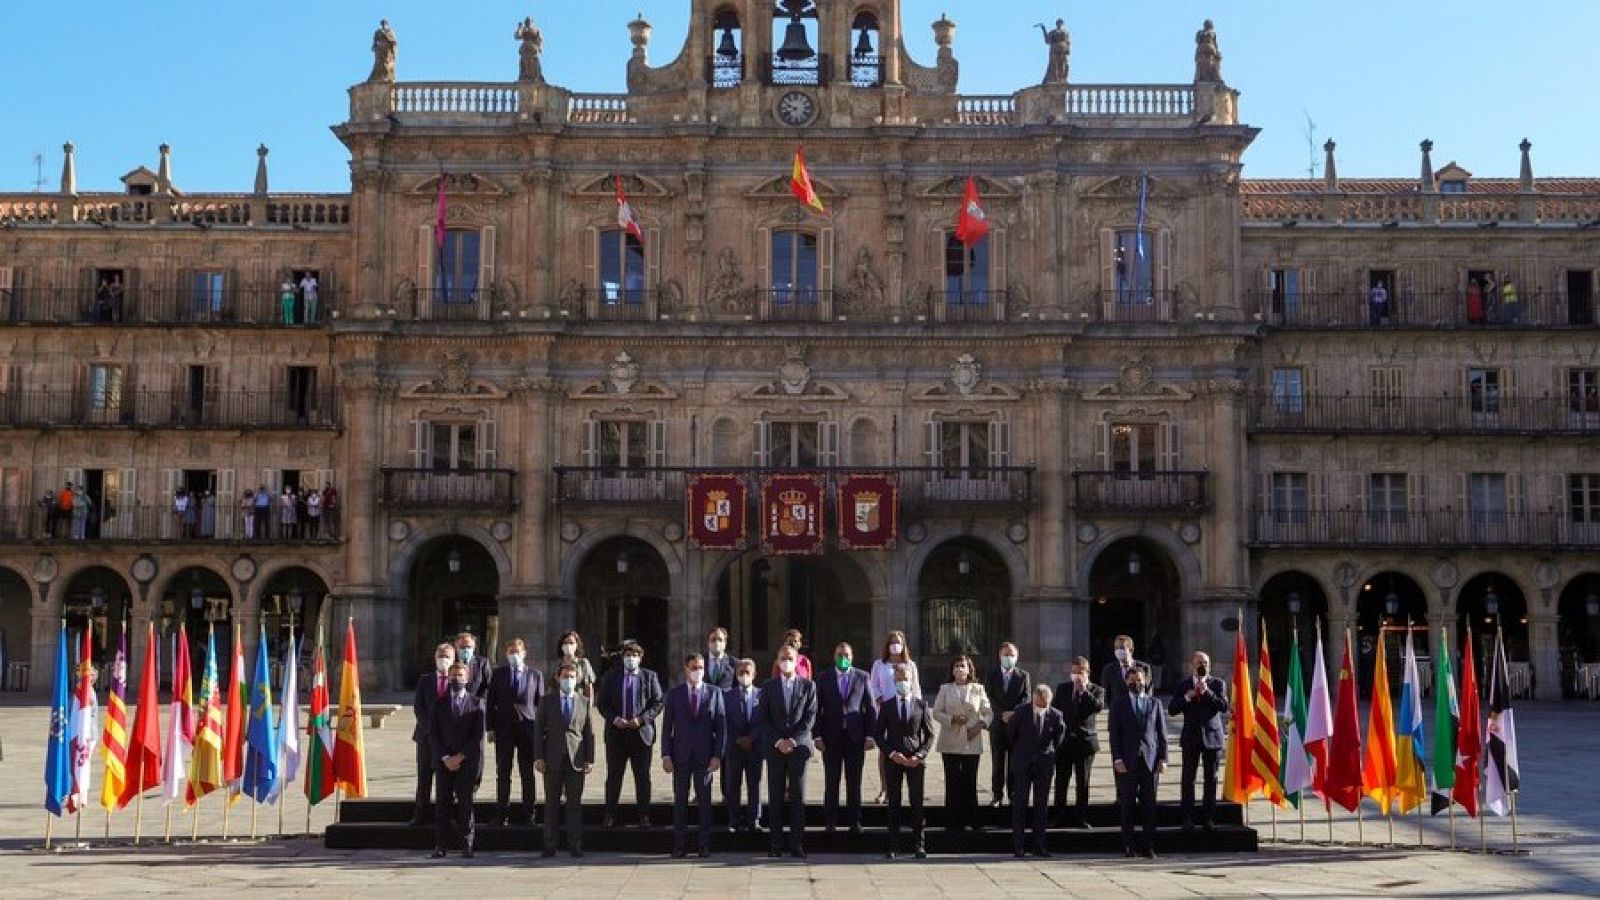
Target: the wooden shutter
(8, 293)
(999, 444)
(999, 271)
(1108, 253)
(1164, 250)
(591, 443)
(227, 508)
(421, 444)
(828, 437)
(764, 264)
(1316, 491)
(1507, 383)
(1263, 497)
(1102, 447)
(656, 457)
(1514, 492)
(1169, 455)
(763, 443)
(486, 252)
(1416, 494)
(127, 503)
(171, 479)
(825, 273)
(488, 441)
(652, 261)
(425, 252)
(932, 446)
(941, 241)
(591, 262)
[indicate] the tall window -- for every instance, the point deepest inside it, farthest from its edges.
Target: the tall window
(621, 268)
(793, 444)
(1388, 386)
(1290, 498)
(1133, 258)
(454, 447)
(966, 272)
(1288, 391)
(1285, 284)
(456, 280)
(206, 295)
(105, 388)
(1133, 448)
(623, 445)
(963, 447)
(1483, 391)
(1386, 498)
(1583, 499)
(794, 267)
(1583, 391)
(1486, 498)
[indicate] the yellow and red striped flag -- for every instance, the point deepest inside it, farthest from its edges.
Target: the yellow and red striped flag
(114, 737)
(800, 184)
(205, 765)
(350, 748)
(1265, 753)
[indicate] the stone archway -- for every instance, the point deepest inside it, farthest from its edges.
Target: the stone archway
(1392, 603)
(829, 598)
(1293, 605)
(16, 619)
(452, 586)
(99, 597)
(623, 591)
(1578, 632)
(1134, 589)
(964, 592)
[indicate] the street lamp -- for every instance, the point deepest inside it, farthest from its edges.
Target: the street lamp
(1294, 603)
(1391, 603)
(1134, 562)
(1591, 603)
(622, 563)
(197, 599)
(963, 564)
(1491, 602)
(452, 560)
(97, 598)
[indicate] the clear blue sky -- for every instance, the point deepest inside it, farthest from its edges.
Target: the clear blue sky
(214, 79)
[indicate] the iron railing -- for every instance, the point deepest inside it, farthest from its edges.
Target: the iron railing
(1135, 305)
(1103, 492)
(208, 520)
(1406, 308)
(449, 488)
(87, 408)
(1421, 529)
(1489, 413)
(259, 307)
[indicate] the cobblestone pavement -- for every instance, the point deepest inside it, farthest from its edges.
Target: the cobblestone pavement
(1559, 827)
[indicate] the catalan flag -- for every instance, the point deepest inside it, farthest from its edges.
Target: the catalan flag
(1265, 754)
(205, 765)
(800, 184)
(350, 748)
(114, 739)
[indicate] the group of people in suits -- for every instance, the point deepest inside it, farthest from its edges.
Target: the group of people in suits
(719, 723)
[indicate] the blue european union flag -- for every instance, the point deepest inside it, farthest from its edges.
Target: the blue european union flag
(261, 737)
(58, 756)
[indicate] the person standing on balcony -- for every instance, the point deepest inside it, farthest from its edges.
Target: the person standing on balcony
(301, 517)
(286, 514)
(52, 513)
(182, 512)
(1510, 302)
(286, 297)
(1474, 302)
(330, 509)
(263, 512)
(81, 506)
(1491, 298)
(313, 514)
(208, 514)
(1377, 306)
(308, 296)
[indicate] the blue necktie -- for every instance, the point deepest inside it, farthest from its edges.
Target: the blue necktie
(566, 709)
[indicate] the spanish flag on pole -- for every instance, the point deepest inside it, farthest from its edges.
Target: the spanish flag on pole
(349, 748)
(800, 184)
(1240, 780)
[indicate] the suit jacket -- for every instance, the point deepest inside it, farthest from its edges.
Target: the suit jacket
(739, 724)
(1114, 678)
(559, 742)
(451, 732)
(912, 735)
(510, 711)
(1028, 742)
(843, 718)
(1079, 712)
(723, 679)
(422, 703)
(1006, 699)
(693, 737)
(647, 706)
(1136, 738)
(777, 720)
(479, 672)
(1204, 727)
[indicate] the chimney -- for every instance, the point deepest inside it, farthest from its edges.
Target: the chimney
(1427, 186)
(69, 170)
(164, 171)
(1330, 174)
(1528, 199)
(261, 171)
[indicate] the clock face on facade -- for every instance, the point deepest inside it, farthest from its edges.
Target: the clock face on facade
(796, 108)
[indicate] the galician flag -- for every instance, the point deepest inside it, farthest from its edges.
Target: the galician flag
(319, 732)
(1319, 724)
(800, 184)
(114, 738)
(350, 747)
(58, 751)
(971, 223)
(288, 721)
(261, 737)
(1265, 752)
(626, 220)
(205, 765)
(1296, 772)
(1410, 751)
(1446, 722)
(180, 722)
(85, 729)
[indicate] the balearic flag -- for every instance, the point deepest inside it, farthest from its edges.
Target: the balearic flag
(800, 184)
(350, 747)
(1239, 781)
(1446, 724)
(288, 721)
(1296, 774)
(1469, 740)
(1410, 748)
(114, 738)
(1266, 758)
(144, 745)
(85, 730)
(1319, 724)
(626, 220)
(1378, 765)
(1500, 780)
(58, 750)
(205, 765)
(1343, 784)
(971, 223)
(261, 737)
(319, 731)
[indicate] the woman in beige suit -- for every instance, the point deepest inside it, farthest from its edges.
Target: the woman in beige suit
(963, 713)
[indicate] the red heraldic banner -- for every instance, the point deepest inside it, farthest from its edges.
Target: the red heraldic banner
(791, 514)
(716, 512)
(869, 512)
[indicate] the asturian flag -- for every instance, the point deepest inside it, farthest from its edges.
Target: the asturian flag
(261, 736)
(84, 729)
(1500, 775)
(626, 220)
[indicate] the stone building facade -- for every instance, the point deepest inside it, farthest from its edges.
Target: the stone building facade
(1157, 395)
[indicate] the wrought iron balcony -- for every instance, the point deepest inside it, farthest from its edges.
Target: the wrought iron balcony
(218, 521)
(1443, 414)
(1134, 305)
(794, 304)
(928, 489)
(1425, 529)
(970, 307)
(1139, 493)
(473, 489)
(253, 307)
(169, 409)
(1404, 308)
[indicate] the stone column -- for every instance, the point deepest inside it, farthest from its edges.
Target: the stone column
(526, 615)
(363, 396)
(381, 643)
(541, 285)
(1050, 536)
(1227, 487)
(1544, 653)
(1201, 626)
(1061, 629)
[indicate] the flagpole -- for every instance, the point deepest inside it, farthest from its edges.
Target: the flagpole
(166, 836)
(138, 817)
(108, 826)
(194, 828)
(1273, 810)
(1452, 824)
(77, 827)
(1513, 821)
(49, 828)
(227, 802)
(1361, 836)
(255, 805)
(1483, 838)
(1389, 814)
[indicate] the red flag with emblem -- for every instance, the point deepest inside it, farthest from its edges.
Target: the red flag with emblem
(972, 225)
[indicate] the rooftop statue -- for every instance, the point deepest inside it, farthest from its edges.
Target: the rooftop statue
(528, 67)
(383, 51)
(1060, 44)
(1207, 58)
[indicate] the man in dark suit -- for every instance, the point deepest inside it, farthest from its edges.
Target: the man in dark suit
(1008, 687)
(693, 741)
(1035, 735)
(905, 733)
(1114, 677)
(432, 688)
(741, 766)
(629, 700)
(1079, 700)
(719, 664)
(515, 690)
(478, 667)
(1138, 756)
(456, 740)
(563, 752)
(1202, 700)
(844, 733)
(786, 712)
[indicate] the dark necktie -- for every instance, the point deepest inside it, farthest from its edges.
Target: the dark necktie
(903, 711)
(566, 709)
(627, 697)
(516, 682)
(694, 702)
(749, 703)
(441, 686)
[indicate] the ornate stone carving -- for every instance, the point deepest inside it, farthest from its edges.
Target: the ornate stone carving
(865, 291)
(1136, 376)
(455, 374)
(624, 372)
(794, 374)
(570, 299)
(504, 297)
(965, 373)
(669, 296)
(1207, 58)
(384, 46)
(1060, 44)
(728, 292)
(531, 45)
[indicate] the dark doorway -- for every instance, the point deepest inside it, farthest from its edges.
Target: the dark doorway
(1393, 603)
(1134, 590)
(302, 384)
(454, 587)
(623, 586)
(828, 598)
(1293, 605)
(964, 590)
(1580, 297)
(1578, 636)
(1489, 601)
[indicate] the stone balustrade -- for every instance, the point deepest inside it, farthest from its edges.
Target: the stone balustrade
(237, 210)
(598, 109)
(1130, 100)
(484, 98)
(986, 110)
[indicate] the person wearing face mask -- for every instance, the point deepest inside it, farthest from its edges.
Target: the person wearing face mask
(963, 713)
(793, 638)
(1202, 700)
(1008, 687)
(432, 688)
(479, 666)
(741, 765)
(515, 690)
(563, 752)
(895, 653)
(719, 665)
(1114, 677)
(1138, 756)
(1036, 732)
(569, 651)
(630, 700)
(905, 736)
(693, 742)
(786, 712)
(1079, 700)
(843, 734)
(456, 740)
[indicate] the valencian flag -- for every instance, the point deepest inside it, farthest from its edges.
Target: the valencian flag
(1378, 765)
(288, 721)
(1410, 750)
(1319, 724)
(1295, 775)
(114, 738)
(800, 184)
(144, 745)
(626, 220)
(58, 752)
(971, 223)
(1343, 784)
(791, 514)
(319, 732)
(716, 512)
(205, 765)
(1266, 758)
(1446, 723)
(350, 748)
(261, 737)
(235, 702)
(1469, 740)
(869, 512)
(1240, 781)
(84, 729)
(180, 721)
(1500, 775)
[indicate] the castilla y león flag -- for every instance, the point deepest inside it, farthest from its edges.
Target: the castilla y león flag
(716, 512)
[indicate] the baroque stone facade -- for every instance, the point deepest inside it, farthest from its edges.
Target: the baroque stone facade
(1157, 395)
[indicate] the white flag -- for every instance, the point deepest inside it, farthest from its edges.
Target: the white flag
(288, 724)
(1319, 721)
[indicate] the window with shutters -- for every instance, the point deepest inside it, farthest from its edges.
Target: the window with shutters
(1583, 396)
(1486, 498)
(1291, 498)
(623, 446)
(1285, 287)
(15, 510)
(1483, 392)
(456, 279)
(1386, 498)
(1288, 391)
(1387, 385)
(454, 446)
(1133, 448)
(1133, 267)
(964, 448)
(622, 268)
(105, 388)
(794, 267)
(793, 445)
(966, 272)
(206, 297)
(724, 442)
(1583, 499)
(9, 279)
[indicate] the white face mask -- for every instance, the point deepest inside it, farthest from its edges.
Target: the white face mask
(1008, 662)
(1122, 654)
(442, 663)
(515, 659)
(959, 674)
(568, 649)
(903, 688)
(745, 681)
(718, 645)
(568, 684)
(894, 649)
(630, 662)
(465, 653)
(786, 666)
(695, 675)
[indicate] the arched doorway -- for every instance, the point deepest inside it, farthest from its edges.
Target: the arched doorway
(828, 597)
(454, 587)
(1392, 602)
(99, 597)
(623, 590)
(1578, 632)
(964, 595)
(1487, 600)
(1293, 603)
(16, 620)
(202, 600)
(1134, 589)
(291, 603)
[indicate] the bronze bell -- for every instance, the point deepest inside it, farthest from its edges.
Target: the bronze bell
(795, 44)
(726, 47)
(863, 44)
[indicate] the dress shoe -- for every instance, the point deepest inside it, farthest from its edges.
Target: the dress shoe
(1149, 853)
(774, 854)
(996, 803)
(1020, 854)
(831, 829)
(1210, 826)
(798, 853)
(888, 854)
(577, 854)
(466, 854)
(548, 852)
(679, 853)
(608, 821)
(704, 852)
(855, 830)
(1042, 853)
(438, 854)
(1128, 852)
(921, 853)
(644, 820)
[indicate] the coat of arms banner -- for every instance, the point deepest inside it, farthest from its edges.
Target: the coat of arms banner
(791, 514)
(716, 512)
(869, 512)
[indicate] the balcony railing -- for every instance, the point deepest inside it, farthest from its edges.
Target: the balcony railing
(1441, 414)
(214, 521)
(795, 305)
(620, 305)
(1138, 493)
(457, 304)
(1420, 309)
(453, 97)
(1130, 100)
(921, 487)
(970, 307)
(1421, 529)
(255, 307)
(86, 408)
(230, 210)
(814, 71)
(449, 488)
(1135, 305)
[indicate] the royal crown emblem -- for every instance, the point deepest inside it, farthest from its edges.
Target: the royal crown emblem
(868, 511)
(716, 516)
(793, 513)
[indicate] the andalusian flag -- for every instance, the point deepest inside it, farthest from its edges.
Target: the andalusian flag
(114, 739)
(1446, 722)
(319, 732)
(800, 184)
(85, 730)
(180, 722)
(1411, 779)
(1378, 777)
(1296, 772)
(1265, 754)
(235, 702)
(205, 765)
(350, 749)
(1240, 781)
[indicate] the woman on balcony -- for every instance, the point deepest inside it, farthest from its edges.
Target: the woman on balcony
(1474, 303)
